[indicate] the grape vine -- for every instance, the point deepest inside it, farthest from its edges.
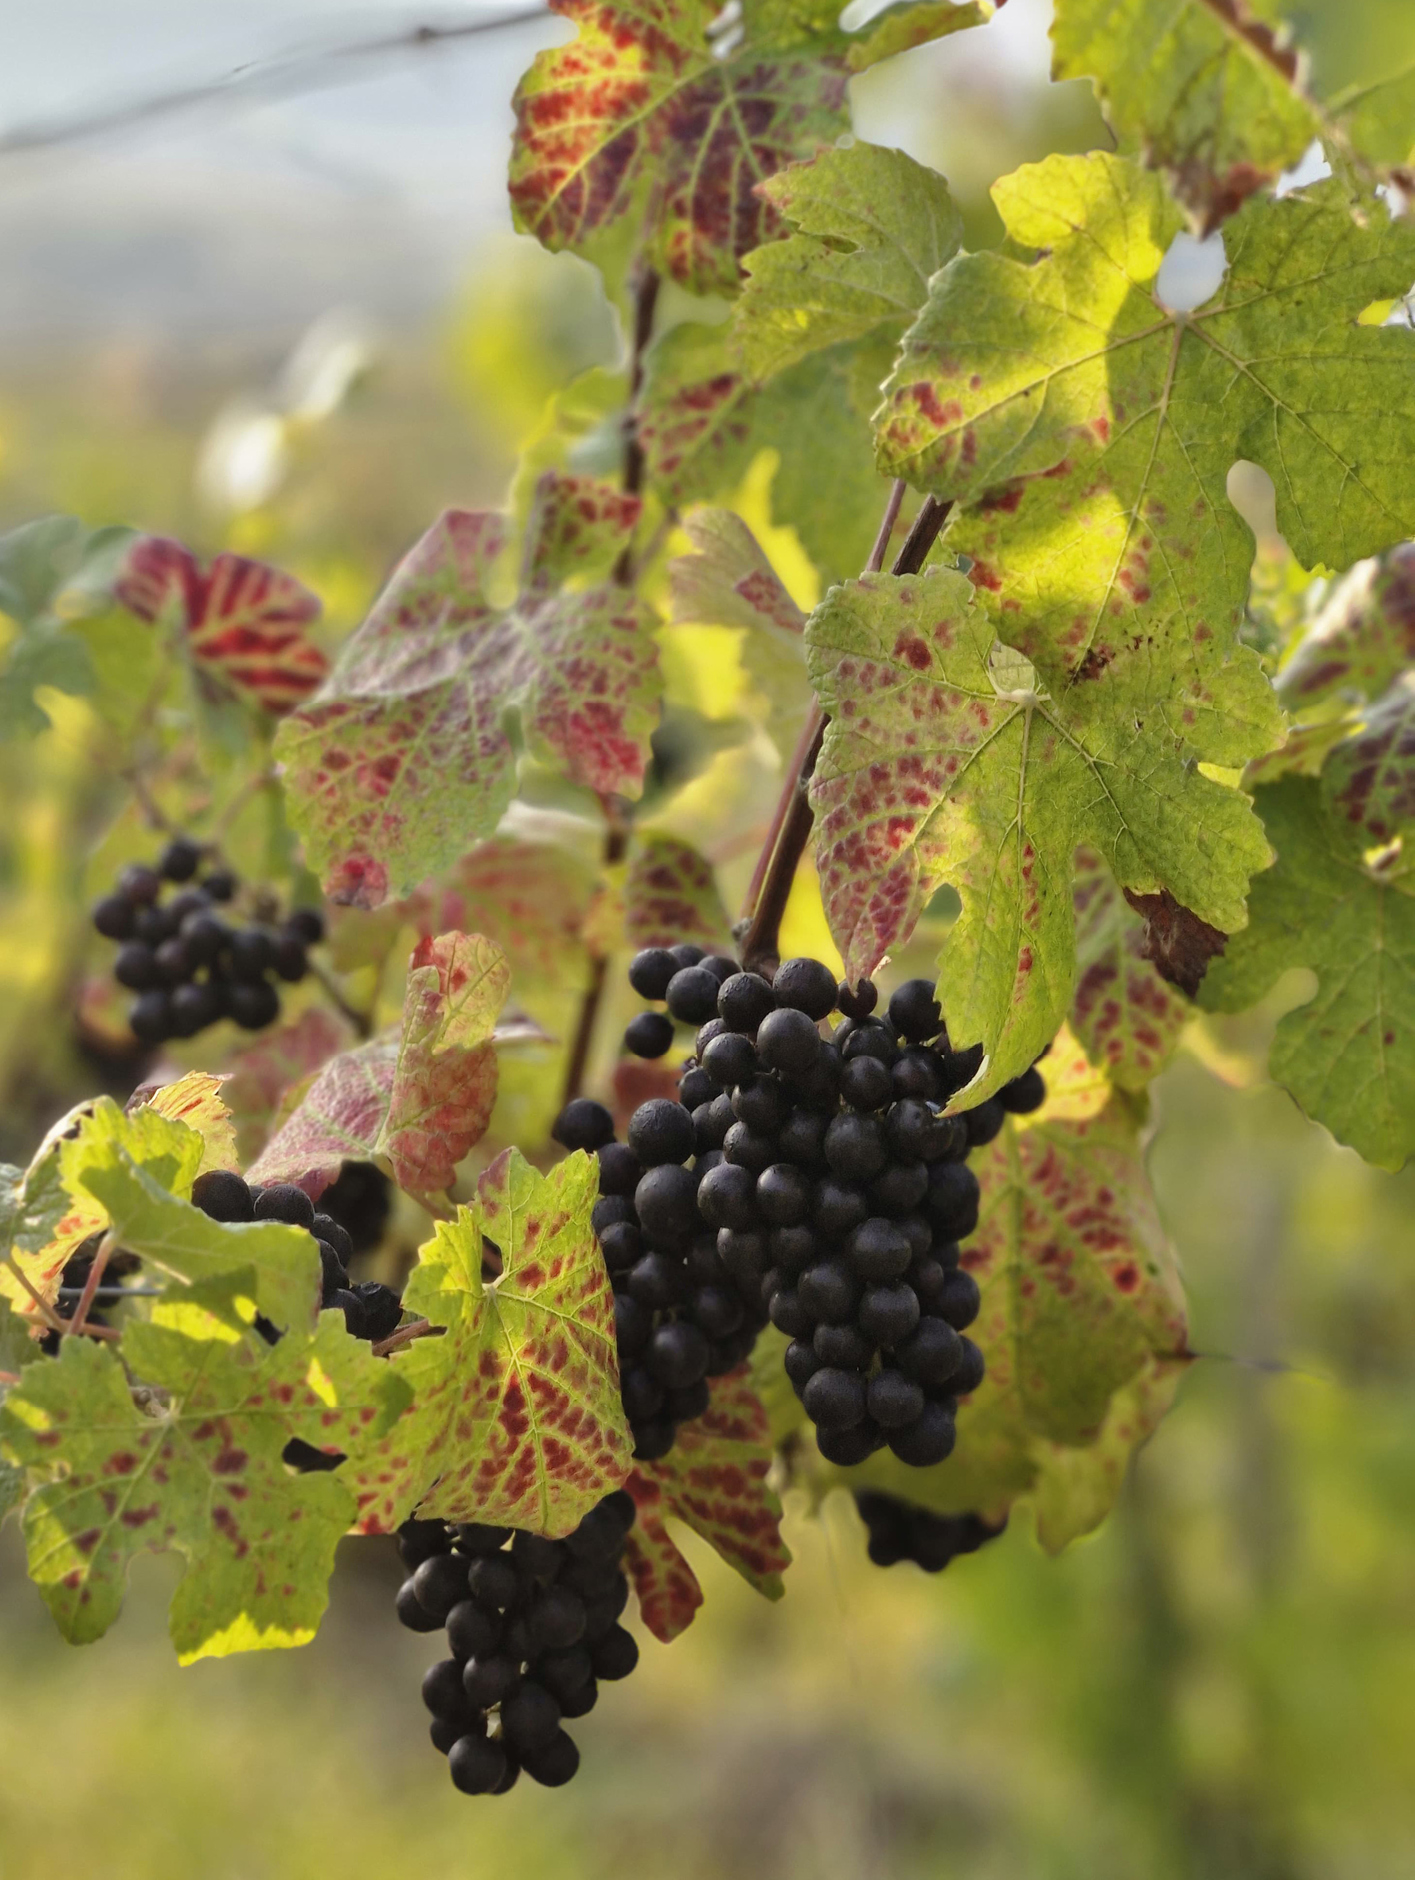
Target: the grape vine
(458, 1247)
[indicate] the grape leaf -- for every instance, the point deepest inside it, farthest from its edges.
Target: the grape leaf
(404, 759)
(516, 1415)
(871, 229)
(48, 1211)
(528, 896)
(196, 1099)
(199, 1471)
(714, 1479)
(1348, 1055)
(1082, 1317)
(1362, 637)
(169, 1233)
(1124, 1015)
(1092, 444)
(1211, 90)
(417, 1099)
(946, 760)
(913, 23)
(1369, 776)
(53, 573)
(246, 624)
(1378, 121)
(701, 423)
(671, 895)
(639, 112)
(258, 1077)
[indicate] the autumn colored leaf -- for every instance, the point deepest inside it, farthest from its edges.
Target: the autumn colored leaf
(418, 1099)
(1368, 778)
(1082, 1319)
(516, 1417)
(258, 1077)
(198, 1100)
(529, 896)
(1361, 638)
(1330, 904)
(1087, 432)
(1124, 1014)
(715, 1480)
(245, 624)
(404, 760)
(671, 895)
(196, 1468)
(871, 229)
(48, 1213)
(947, 759)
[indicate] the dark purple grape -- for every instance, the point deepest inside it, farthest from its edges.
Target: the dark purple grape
(893, 1400)
(150, 1017)
(855, 1146)
(223, 1195)
(649, 1035)
(788, 1042)
(660, 1131)
(913, 1011)
(877, 1250)
(743, 1001)
(932, 1354)
(619, 1169)
(929, 1439)
(900, 1191)
(692, 995)
(984, 1122)
(844, 1346)
(865, 1083)
(856, 1001)
(650, 972)
(583, 1124)
(888, 1313)
(136, 967)
(784, 1195)
(113, 916)
(834, 1399)
(805, 986)
(961, 1300)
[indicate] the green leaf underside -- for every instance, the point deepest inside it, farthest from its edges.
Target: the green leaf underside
(1088, 433)
(1081, 1324)
(812, 290)
(201, 1474)
(1126, 1017)
(1204, 87)
(404, 757)
(671, 895)
(419, 1100)
(516, 1417)
(702, 423)
(943, 762)
(1348, 1055)
(643, 113)
(715, 1480)
(1362, 637)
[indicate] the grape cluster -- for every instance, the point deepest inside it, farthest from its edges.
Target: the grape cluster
(837, 1188)
(900, 1531)
(371, 1310)
(681, 1316)
(533, 1628)
(190, 966)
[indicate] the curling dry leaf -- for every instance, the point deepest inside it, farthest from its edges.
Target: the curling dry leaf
(714, 1479)
(404, 759)
(516, 1417)
(245, 623)
(418, 1099)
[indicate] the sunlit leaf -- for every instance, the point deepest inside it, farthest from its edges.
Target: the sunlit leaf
(671, 895)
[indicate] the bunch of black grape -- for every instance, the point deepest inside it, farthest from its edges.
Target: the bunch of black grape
(189, 966)
(533, 1628)
(900, 1531)
(681, 1316)
(371, 1310)
(838, 1188)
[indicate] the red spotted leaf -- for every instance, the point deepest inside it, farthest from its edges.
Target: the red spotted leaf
(199, 1471)
(714, 1479)
(1369, 778)
(1124, 1014)
(671, 895)
(529, 897)
(516, 1417)
(257, 1078)
(405, 757)
(1363, 636)
(245, 623)
(416, 1100)
(642, 111)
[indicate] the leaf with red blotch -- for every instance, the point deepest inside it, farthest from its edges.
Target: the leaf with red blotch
(714, 1479)
(1082, 1317)
(516, 1417)
(405, 758)
(245, 622)
(416, 1100)
(200, 1472)
(641, 112)
(948, 760)
(1362, 637)
(1122, 1011)
(529, 897)
(259, 1076)
(671, 895)
(198, 1100)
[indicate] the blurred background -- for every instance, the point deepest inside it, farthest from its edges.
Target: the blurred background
(288, 316)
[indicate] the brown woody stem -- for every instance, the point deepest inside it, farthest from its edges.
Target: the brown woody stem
(79, 1320)
(791, 826)
(645, 302)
